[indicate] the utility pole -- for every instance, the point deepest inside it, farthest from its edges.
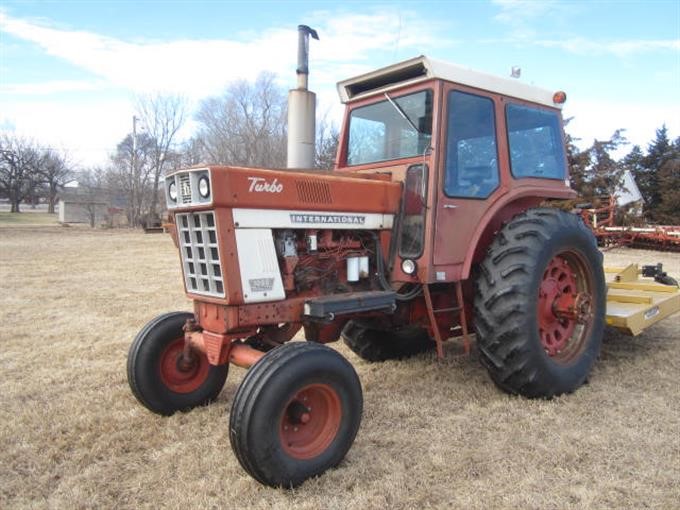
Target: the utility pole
(135, 177)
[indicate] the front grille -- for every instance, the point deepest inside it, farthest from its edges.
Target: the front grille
(184, 188)
(200, 253)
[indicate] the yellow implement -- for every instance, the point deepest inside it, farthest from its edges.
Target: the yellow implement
(635, 303)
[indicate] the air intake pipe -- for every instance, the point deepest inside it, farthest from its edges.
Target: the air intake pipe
(302, 108)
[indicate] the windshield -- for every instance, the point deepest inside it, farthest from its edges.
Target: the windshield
(379, 131)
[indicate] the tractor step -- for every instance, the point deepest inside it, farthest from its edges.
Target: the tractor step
(634, 303)
(327, 307)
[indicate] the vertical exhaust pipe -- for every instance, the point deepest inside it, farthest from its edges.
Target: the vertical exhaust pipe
(302, 108)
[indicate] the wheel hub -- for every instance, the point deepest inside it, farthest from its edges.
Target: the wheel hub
(561, 306)
(310, 421)
(181, 372)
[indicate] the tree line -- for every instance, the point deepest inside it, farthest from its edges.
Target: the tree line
(29, 173)
(596, 174)
(246, 126)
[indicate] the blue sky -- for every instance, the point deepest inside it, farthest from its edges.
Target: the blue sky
(70, 70)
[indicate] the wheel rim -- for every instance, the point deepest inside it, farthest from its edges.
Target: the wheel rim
(310, 421)
(179, 374)
(565, 307)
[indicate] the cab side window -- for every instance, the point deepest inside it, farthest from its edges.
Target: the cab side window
(471, 152)
(535, 140)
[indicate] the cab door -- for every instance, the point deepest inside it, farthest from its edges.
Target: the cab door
(469, 170)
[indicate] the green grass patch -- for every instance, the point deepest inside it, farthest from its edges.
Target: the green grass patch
(28, 218)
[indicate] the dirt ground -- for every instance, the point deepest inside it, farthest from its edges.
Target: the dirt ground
(433, 434)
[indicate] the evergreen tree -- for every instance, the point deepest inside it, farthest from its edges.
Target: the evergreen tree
(658, 152)
(668, 177)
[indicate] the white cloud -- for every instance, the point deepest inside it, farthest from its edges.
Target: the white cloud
(194, 68)
(88, 130)
(50, 87)
(513, 12)
(599, 119)
(525, 17)
(202, 67)
(622, 48)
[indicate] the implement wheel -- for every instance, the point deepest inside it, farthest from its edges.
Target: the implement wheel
(295, 414)
(161, 377)
(373, 344)
(540, 304)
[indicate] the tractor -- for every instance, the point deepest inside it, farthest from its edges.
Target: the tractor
(439, 218)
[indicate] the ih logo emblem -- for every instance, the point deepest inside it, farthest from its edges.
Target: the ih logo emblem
(185, 188)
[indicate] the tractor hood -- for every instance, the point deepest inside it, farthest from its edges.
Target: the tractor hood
(255, 188)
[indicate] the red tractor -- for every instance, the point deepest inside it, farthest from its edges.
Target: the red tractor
(437, 216)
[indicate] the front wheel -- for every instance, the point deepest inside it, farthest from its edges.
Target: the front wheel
(295, 414)
(160, 376)
(540, 304)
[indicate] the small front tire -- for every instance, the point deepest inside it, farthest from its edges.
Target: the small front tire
(296, 414)
(158, 376)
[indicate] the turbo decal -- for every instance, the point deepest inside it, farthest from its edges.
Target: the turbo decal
(260, 185)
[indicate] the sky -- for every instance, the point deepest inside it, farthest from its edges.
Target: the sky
(70, 71)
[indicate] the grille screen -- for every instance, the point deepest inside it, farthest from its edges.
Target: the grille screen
(200, 253)
(313, 192)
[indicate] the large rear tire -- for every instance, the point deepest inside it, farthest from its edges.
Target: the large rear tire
(158, 375)
(373, 344)
(540, 304)
(295, 414)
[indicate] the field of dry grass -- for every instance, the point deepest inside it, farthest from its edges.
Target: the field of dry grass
(433, 434)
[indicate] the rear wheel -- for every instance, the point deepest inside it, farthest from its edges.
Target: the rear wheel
(540, 304)
(161, 377)
(373, 344)
(295, 414)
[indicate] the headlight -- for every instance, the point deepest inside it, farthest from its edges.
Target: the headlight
(204, 186)
(408, 266)
(172, 191)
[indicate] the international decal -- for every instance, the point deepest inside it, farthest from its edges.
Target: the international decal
(340, 219)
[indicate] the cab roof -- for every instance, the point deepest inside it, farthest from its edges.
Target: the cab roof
(423, 68)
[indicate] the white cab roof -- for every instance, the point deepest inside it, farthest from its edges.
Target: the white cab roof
(423, 68)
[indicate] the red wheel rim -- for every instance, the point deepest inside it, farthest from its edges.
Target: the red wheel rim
(564, 307)
(179, 374)
(310, 421)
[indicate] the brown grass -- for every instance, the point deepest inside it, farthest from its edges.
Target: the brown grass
(433, 434)
(27, 218)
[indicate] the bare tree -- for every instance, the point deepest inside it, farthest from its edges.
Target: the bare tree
(132, 173)
(327, 139)
(55, 172)
(245, 126)
(20, 160)
(92, 194)
(163, 117)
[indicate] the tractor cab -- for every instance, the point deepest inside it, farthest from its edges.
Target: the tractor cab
(475, 148)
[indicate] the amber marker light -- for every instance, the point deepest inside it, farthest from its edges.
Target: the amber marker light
(559, 97)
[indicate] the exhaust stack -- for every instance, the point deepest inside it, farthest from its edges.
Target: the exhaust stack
(302, 108)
